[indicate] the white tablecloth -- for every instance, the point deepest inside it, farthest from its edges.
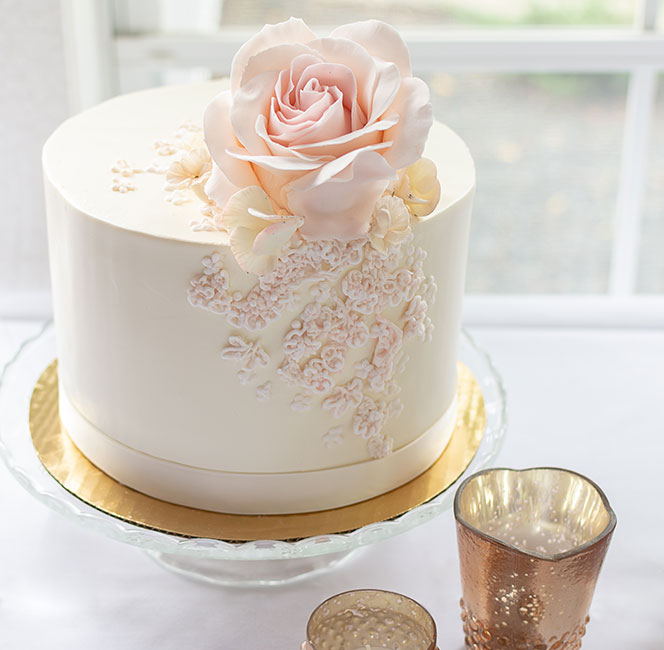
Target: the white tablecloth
(587, 400)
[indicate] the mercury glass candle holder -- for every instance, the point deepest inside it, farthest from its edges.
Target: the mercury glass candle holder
(370, 619)
(531, 545)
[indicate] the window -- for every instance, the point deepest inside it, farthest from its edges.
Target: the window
(561, 103)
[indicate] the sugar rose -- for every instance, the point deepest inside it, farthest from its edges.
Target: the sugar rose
(322, 125)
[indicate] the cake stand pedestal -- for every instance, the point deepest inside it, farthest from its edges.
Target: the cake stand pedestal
(205, 558)
(249, 573)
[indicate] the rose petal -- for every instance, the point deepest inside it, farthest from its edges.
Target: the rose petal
(377, 81)
(341, 207)
(273, 59)
(335, 122)
(277, 149)
(291, 31)
(275, 163)
(355, 57)
(219, 136)
(368, 135)
(415, 119)
(282, 117)
(388, 82)
(253, 98)
(379, 39)
(218, 188)
(338, 166)
(297, 69)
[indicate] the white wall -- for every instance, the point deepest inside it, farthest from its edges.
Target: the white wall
(33, 101)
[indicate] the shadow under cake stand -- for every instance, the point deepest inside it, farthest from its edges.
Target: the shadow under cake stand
(220, 548)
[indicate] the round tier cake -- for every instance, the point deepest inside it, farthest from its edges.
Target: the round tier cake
(265, 330)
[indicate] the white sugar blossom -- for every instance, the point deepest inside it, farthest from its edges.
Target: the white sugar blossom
(343, 397)
(189, 168)
(333, 437)
(122, 185)
(390, 225)
(380, 446)
(264, 391)
(249, 353)
(301, 402)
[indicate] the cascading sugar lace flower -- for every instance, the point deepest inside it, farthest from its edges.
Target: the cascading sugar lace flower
(351, 285)
(312, 165)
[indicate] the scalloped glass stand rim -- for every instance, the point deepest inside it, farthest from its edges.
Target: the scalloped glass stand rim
(18, 379)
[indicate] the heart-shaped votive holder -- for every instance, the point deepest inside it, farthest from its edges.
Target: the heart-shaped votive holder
(370, 619)
(531, 545)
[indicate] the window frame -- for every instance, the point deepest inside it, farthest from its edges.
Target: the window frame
(95, 53)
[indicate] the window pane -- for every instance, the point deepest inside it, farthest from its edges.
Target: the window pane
(651, 271)
(204, 15)
(488, 13)
(547, 151)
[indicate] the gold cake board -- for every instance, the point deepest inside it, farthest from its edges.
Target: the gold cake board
(78, 475)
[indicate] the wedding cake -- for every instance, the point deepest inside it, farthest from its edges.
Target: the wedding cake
(257, 283)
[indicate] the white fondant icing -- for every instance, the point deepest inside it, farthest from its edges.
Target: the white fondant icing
(260, 493)
(301, 402)
(143, 367)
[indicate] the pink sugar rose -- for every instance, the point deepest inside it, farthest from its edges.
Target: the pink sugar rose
(322, 125)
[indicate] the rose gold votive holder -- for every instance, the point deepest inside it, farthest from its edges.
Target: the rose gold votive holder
(370, 619)
(531, 545)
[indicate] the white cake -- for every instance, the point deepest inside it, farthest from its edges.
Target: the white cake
(235, 355)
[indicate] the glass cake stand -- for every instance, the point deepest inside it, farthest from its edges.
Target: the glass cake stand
(264, 562)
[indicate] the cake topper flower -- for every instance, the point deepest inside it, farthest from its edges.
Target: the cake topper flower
(321, 125)
(390, 225)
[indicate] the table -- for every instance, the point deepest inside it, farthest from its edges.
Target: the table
(588, 400)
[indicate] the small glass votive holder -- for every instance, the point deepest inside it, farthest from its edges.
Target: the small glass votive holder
(370, 619)
(531, 545)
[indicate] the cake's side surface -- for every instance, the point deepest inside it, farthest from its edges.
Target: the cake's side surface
(325, 377)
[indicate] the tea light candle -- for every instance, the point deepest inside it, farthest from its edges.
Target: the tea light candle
(370, 619)
(541, 534)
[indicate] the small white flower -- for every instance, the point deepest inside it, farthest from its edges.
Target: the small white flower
(380, 446)
(164, 148)
(122, 185)
(245, 376)
(203, 225)
(301, 402)
(249, 353)
(190, 167)
(333, 437)
(321, 291)
(344, 397)
(394, 408)
(390, 225)
(188, 126)
(177, 198)
(264, 391)
(211, 264)
(123, 168)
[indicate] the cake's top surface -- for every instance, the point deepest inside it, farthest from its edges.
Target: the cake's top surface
(78, 158)
(319, 128)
